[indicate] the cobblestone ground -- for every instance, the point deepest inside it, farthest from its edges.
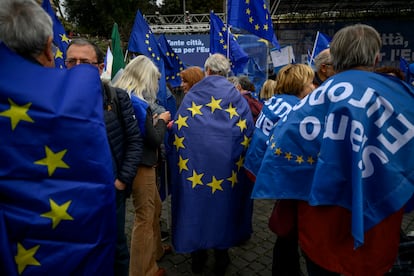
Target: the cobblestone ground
(252, 258)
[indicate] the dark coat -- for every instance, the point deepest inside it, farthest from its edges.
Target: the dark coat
(124, 137)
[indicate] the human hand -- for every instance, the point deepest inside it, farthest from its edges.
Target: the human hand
(119, 185)
(170, 124)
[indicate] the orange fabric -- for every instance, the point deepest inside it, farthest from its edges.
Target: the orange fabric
(325, 237)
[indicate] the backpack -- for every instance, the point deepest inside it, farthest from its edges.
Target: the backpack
(255, 105)
(112, 102)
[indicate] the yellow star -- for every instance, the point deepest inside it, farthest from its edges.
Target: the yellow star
(233, 178)
(215, 185)
(310, 160)
(53, 160)
(178, 142)
(59, 54)
(247, 1)
(225, 47)
(57, 212)
(25, 257)
(299, 159)
(17, 113)
(64, 38)
(278, 151)
(273, 145)
(221, 41)
(214, 104)
(240, 162)
(246, 141)
(251, 20)
(181, 121)
(257, 27)
(182, 164)
(196, 179)
(195, 109)
(288, 156)
(146, 42)
(242, 124)
(265, 27)
(248, 11)
(232, 111)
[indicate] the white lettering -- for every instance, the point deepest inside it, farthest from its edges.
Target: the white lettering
(340, 91)
(388, 110)
(310, 128)
(366, 164)
(341, 129)
(400, 138)
(357, 136)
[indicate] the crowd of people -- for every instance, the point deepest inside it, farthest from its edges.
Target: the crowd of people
(329, 144)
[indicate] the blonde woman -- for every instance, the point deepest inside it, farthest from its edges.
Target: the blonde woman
(140, 79)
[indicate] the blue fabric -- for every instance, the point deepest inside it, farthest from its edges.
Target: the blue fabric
(223, 42)
(60, 39)
(347, 144)
(273, 109)
(254, 17)
(140, 107)
(55, 153)
(173, 64)
(322, 42)
(209, 147)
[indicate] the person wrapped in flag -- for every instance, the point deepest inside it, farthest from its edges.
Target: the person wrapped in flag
(211, 204)
(342, 153)
(293, 82)
(57, 201)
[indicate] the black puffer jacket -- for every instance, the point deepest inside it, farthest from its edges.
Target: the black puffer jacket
(124, 137)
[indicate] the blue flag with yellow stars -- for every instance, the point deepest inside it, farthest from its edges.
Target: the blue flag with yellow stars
(57, 201)
(173, 64)
(60, 40)
(254, 17)
(223, 42)
(211, 204)
(345, 144)
(273, 110)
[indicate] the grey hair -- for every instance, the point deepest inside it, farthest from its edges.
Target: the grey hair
(218, 65)
(355, 45)
(140, 77)
(24, 26)
(323, 57)
(234, 80)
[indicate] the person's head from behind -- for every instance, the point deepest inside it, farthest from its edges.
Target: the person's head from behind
(83, 51)
(355, 47)
(190, 76)
(246, 84)
(27, 30)
(295, 79)
(140, 77)
(268, 89)
(323, 65)
(217, 64)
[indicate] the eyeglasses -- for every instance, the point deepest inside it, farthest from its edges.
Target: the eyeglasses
(74, 61)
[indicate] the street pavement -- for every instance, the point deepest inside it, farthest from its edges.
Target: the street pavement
(254, 257)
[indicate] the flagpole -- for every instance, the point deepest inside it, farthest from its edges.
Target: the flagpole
(313, 50)
(228, 31)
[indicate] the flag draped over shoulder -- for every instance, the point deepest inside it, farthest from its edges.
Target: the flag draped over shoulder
(253, 16)
(173, 64)
(118, 56)
(60, 39)
(275, 108)
(345, 144)
(211, 205)
(223, 42)
(57, 197)
(322, 42)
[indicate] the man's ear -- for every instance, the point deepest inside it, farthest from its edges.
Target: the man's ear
(46, 57)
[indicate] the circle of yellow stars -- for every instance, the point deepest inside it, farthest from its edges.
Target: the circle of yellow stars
(196, 178)
(299, 159)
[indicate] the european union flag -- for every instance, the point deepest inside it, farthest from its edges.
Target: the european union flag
(345, 144)
(211, 205)
(322, 42)
(254, 17)
(173, 64)
(57, 201)
(60, 39)
(143, 41)
(273, 110)
(223, 42)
